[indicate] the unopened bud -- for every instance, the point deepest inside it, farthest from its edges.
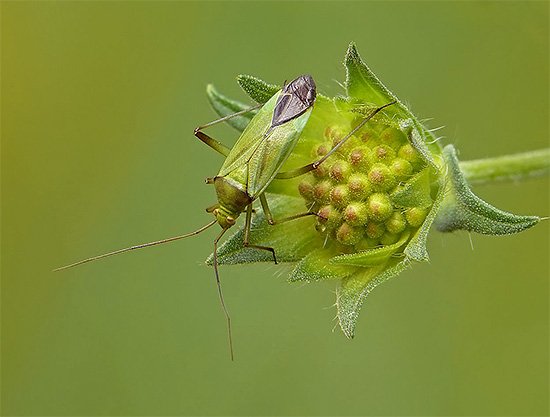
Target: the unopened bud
(355, 214)
(321, 191)
(381, 177)
(393, 137)
(359, 186)
(396, 223)
(339, 196)
(401, 168)
(415, 216)
(389, 238)
(383, 153)
(374, 230)
(340, 171)
(379, 207)
(348, 235)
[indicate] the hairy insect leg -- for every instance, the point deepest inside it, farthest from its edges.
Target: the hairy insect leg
(310, 167)
(220, 293)
(213, 143)
(272, 221)
(246, 240)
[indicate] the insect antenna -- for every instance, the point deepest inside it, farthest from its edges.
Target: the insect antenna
(143, 245)
(220, 293)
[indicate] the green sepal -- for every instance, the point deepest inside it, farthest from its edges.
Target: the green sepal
(417, 138)
(371, 257)
(291, 240)
(257, 89)
(225, 106)
(463, 210)
(416, 248)
(416, 192)
(352, 291)
(361, 83)
(315, 267)
(364, 87)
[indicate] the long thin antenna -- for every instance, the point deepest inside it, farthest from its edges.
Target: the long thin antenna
(221, 293)
(143, 245)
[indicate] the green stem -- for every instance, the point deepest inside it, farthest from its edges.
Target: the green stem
(507, 168)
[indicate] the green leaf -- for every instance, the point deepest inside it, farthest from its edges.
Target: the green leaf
(257, 89)
(291, 240)
(463, 210)
(371, 257)
(353, 290)
(225, 106)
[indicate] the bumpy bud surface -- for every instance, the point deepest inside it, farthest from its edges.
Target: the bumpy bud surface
(351, 191)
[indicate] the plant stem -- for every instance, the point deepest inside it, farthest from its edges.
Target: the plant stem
(515, 167)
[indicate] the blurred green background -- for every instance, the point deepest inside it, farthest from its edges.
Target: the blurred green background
(99, 102)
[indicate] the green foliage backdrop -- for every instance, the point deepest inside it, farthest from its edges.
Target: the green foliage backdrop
(99, 102)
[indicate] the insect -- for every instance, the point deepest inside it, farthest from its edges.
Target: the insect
(251, 165)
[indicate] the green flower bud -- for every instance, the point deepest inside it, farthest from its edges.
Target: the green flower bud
(321, 171)
(366, 243)
(321, 191)
(348, 145)
(359, 186)
(408, 153)
(381, 177)
(369, 136)
(383, 153)
(367, 237)
(340, 196)
(374, 230)
(321, 150)
(359, 158)
(401, 168)
(348, 235)
(379, 207)
(306, 188)
(340, 171)
(415, 216)
(396, 223)
(329, 216)
(389, 238)
(355, 214)
(393, 137)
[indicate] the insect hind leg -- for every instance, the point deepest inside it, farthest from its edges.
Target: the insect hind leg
(246, 240)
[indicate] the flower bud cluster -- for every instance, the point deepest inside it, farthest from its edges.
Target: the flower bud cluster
(351, 191)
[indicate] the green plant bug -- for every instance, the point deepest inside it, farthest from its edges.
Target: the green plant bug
(252, 164)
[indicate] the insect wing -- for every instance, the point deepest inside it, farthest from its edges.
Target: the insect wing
(250, 139)
(272, 153)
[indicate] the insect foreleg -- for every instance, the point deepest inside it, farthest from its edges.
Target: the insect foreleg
(310, 167)
(213, 143)
(246, 240)
(272, 221)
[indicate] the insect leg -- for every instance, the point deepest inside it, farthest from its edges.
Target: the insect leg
(272, 221)
(213, 143)
(310, 167)
(246, 241)
(220, 293)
